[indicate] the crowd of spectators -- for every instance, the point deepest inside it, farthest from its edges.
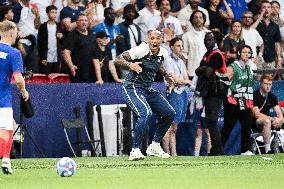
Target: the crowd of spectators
(83, 38)
(45, 25)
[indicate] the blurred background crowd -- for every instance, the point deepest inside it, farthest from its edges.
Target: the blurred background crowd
(83, 37)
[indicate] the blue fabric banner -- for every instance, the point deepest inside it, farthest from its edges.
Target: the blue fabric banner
(53, 102)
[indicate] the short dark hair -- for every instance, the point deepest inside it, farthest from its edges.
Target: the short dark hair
(240, 49)
(81, 14)
(107, 9)
(193, 14)
(158, 3)
(275, 2)
(129, 7)
(265, 1)
(233, 22)
(49, 8)
(174, 40)
(4, 10)
(218, 37)
(247, 12)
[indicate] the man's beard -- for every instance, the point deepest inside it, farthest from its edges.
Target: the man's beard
(110, 21)
(247, 25)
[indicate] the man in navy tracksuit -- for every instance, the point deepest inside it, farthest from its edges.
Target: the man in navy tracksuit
(144, 61)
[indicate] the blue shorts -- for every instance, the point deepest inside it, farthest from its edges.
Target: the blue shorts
(179, 102)
(197, 121)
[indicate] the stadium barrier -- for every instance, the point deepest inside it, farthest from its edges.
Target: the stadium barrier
(53, 102)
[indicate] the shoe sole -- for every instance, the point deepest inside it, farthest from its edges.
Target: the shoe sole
(6, 171)
(136, 159)
(149, 153)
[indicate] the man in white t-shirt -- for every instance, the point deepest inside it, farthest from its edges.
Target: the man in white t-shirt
(185, 13)
(149, 11)
(193, 41)
(166, 23)
(252, 38)
(130, 31)
(27, 18)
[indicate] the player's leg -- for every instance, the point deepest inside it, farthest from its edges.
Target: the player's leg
(134, 97)
(166, 114)
(6, 138)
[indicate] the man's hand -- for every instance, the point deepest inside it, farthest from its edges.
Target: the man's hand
(170, 79)
(73, 69)
(135, 67)
(35, 11)
(100, 82)
(119, 80)
(258, 60)
(276, 122)
(118, 38)
(44, 62)
(59, 35)
(25, 95)
(67, 20)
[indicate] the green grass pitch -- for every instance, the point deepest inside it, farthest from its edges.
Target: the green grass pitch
(227, 172)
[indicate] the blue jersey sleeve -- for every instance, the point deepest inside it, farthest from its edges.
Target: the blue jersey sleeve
(16, 61)
(98, 28)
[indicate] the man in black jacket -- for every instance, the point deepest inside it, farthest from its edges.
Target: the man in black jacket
(130, 31)
(49, 49)
(211, 68)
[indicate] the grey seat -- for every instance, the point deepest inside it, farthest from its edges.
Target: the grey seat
(78, 125)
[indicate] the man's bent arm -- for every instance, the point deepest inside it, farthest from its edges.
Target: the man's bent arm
(123, 60)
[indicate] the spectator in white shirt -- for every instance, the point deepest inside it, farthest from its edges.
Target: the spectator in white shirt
(186, 12)
(252, 38)
(48, 43)
(95, 12)
(166, 23)
(149, 11)
(193, 40)
(27, 19)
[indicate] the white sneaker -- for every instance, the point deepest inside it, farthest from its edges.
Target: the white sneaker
(136, 154)
(6, 167)
(247, 153)
(156, 150)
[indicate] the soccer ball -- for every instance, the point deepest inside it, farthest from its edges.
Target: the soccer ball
(66, 167)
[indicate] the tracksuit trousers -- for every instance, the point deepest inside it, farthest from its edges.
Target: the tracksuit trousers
(144, 102)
